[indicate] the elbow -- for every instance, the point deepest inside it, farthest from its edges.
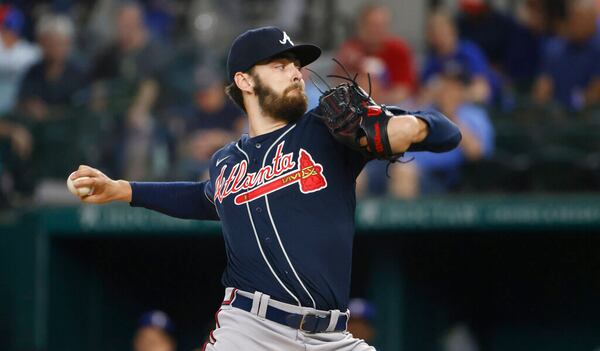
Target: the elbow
(455, 139)
(452, 139)
(443, 134)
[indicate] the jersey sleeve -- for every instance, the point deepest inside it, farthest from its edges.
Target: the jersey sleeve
(187, 200)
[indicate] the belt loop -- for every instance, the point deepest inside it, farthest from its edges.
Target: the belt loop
(347, 319)
(255, 302)
(333, 319)
(227, 296)
(264, 303)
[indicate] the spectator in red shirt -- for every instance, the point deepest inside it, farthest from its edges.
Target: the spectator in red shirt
(377, 51)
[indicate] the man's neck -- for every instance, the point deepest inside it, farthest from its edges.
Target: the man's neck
(259, 124)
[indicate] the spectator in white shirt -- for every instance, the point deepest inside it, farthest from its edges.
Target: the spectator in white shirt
(16, 56)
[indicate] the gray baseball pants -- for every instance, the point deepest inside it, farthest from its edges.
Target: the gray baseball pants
(239, 330)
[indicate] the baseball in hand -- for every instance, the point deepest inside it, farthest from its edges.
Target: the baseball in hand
(83, 191)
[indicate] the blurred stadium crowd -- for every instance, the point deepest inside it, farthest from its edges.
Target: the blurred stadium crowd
(136, 89)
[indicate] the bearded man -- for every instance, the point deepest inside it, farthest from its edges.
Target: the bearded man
(285, 195)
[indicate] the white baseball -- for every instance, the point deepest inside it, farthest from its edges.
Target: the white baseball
(83, 191)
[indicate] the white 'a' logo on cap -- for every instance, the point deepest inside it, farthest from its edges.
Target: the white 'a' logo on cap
(286, 38)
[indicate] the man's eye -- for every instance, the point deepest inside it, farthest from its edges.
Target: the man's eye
(279, 67)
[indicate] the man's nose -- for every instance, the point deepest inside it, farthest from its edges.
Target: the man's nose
(296, 74)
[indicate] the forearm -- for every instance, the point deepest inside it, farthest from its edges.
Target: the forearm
(440, 135)
(405, 130)
(177, 199)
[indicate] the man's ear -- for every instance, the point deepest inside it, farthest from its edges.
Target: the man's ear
(244, 82)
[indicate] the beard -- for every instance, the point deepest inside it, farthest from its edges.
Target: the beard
(289, 106)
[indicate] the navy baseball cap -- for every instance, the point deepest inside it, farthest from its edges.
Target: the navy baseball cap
(157, 319)
(259, 44)
(363, 309)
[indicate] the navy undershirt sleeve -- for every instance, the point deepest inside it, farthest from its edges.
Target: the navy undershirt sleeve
(188, 200)
(443, 134)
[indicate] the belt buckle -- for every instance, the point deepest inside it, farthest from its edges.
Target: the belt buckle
(301, 327)
(304, 316)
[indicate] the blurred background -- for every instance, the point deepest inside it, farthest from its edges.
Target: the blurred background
(492, 246)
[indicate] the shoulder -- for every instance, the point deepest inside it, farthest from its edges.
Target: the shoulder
(312, 126)
(227, 150)
(311, 119)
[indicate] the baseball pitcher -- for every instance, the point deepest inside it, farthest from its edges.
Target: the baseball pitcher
(285, 195)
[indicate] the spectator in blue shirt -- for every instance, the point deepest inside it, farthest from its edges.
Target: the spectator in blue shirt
(511, 43)
(207, 124)
(570, 72)
(431, 173)
(481, 23)
(448, 51)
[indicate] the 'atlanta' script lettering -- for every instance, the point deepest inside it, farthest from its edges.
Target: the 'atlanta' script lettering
(239, 179)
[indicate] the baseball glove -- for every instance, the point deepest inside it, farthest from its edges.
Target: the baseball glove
(351, 116)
